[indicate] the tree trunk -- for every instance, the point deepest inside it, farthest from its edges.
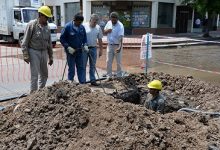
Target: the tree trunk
(209, 25)
(81, 5)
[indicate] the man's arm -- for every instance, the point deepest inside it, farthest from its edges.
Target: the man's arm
(108, 28)
(146, 104)
(100, 47)
(25, 42)
(161, 106)
(85, 37)
(63, 37)
(121, 35)
(106, 31)
(50, 50)
(120, 44)
(100, 36)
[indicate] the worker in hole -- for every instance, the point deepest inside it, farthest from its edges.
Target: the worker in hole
(155, 101)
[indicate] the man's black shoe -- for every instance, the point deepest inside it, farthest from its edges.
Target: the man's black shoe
(94, 84)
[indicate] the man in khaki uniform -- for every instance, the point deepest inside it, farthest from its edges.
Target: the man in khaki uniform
(36, 48)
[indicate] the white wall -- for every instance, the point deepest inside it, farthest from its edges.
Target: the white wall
(154, 14)
(60, 3)
(87, 6)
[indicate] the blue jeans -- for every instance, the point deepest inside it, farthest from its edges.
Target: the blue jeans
(76, 60)
(92, 63)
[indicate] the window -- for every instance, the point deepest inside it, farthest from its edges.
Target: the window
(165, 15)
(103, 10)
(58, 15)
(17, 16)
(141, 12)
(29, 14)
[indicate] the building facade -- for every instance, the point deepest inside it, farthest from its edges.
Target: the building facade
(138, 16)
(63, 11)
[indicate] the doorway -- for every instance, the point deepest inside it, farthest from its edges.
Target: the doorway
(183, 19)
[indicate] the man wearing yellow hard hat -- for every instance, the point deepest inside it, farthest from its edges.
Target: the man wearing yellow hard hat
(155, 101)
(37, 47)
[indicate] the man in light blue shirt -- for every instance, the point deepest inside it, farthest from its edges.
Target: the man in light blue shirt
(93, 32)
(115, 32)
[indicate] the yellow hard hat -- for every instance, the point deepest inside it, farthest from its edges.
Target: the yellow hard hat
(45, 10)
(155, 84)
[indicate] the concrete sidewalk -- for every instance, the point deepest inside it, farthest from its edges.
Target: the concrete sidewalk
(177, 39)
(213, 34)
(196, 35)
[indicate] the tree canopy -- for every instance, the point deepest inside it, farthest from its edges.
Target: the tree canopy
(203, 6)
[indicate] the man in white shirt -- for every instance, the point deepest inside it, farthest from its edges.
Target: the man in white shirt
(115, 32)
(93, 32)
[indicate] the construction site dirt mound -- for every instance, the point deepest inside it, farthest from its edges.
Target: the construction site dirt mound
(70, 116)
(180, 91)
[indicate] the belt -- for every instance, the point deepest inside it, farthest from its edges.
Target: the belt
(91, 46)
(113, 44)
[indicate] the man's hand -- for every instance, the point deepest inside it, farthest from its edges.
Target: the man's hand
(71, 50)
(118, 50)
(108, 30)
(50, 61)
(86, 48)
(100, 52)
(26, 58)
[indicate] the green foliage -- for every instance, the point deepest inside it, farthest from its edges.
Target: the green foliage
(202, 6)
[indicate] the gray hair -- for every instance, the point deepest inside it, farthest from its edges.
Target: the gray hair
(94, 17)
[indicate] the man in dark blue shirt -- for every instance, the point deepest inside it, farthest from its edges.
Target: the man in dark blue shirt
(73, 38)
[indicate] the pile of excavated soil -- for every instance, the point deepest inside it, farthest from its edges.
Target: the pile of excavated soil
(70, 116)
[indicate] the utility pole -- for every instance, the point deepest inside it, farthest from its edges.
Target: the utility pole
(81, 6)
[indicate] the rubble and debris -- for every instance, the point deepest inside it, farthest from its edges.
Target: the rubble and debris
(70, 116)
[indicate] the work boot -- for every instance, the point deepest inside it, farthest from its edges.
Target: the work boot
(94, 83)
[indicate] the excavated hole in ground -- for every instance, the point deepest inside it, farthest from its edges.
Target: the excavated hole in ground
(138, 97)
(180, 92)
